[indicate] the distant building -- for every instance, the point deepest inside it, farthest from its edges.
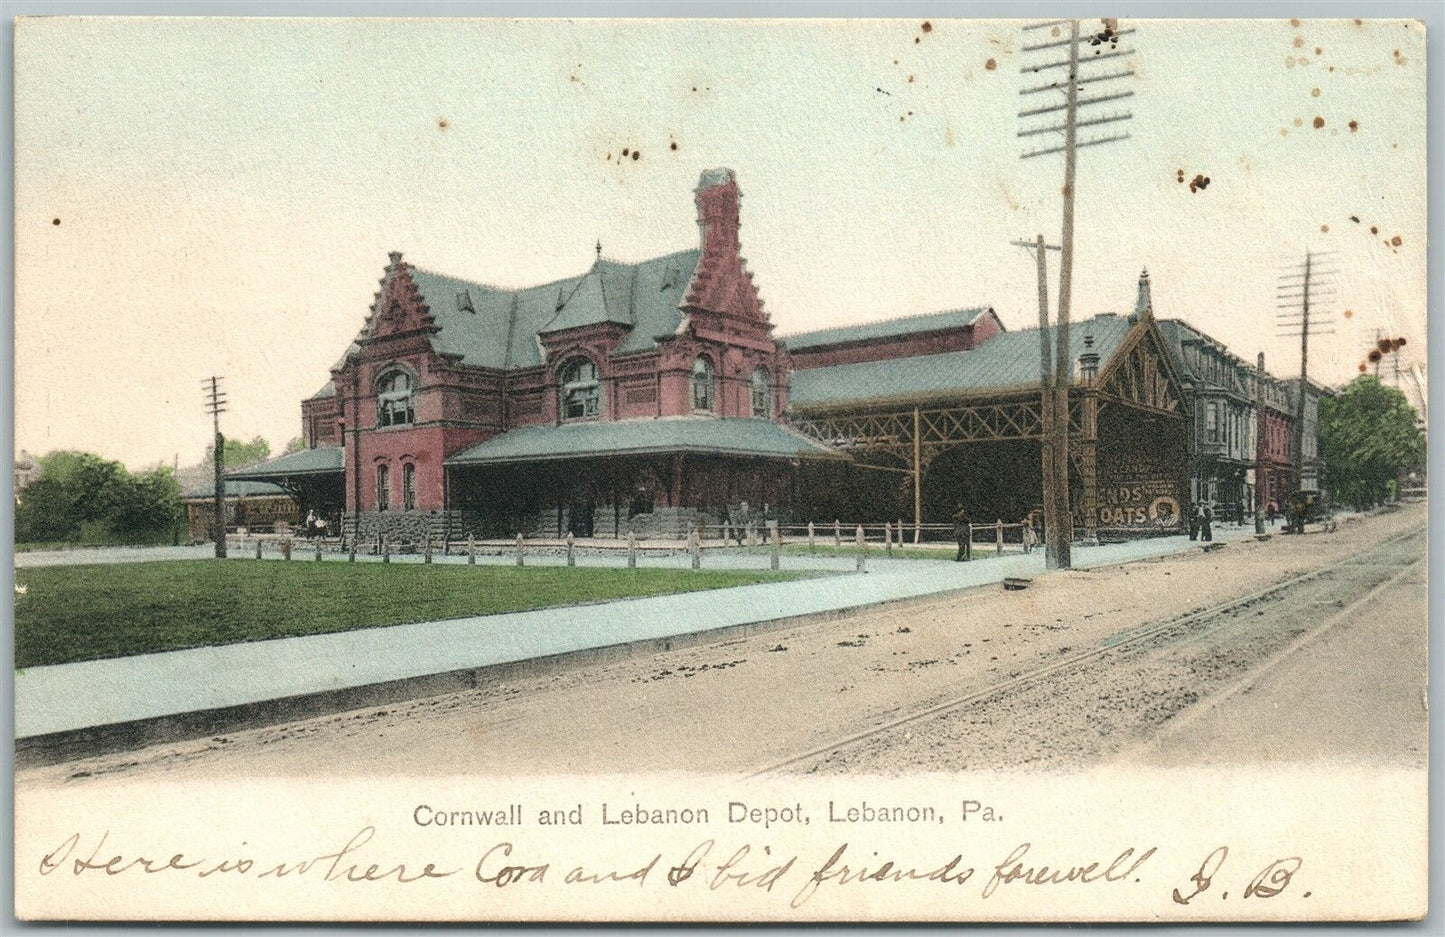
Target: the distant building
(27, 470)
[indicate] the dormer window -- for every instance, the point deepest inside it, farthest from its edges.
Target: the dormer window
(762, 394)
(580, 390)
(395, 399)
(702, 384)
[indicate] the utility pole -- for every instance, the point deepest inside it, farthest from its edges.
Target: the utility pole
(216, 405)
(1300, 301)
(1058, 546)
(1046, 400)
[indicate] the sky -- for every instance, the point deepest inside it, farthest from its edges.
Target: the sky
(218, 196)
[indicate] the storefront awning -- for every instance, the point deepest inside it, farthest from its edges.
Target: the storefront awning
(756, 438)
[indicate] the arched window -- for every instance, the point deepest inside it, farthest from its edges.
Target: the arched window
(383, 488)
(702, 384)
(580, 390)
(395, 399)
(408, 487)
(762, 389)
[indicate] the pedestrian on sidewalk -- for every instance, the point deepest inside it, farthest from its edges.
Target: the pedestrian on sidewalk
(1031, 536)
(963, 536)
(1193, 522)
(1206, 525)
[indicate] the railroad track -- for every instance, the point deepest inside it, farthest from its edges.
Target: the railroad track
(1117, 645)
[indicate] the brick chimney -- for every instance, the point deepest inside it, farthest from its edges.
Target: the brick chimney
(718, 213)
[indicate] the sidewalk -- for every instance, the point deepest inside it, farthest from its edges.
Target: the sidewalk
(87, 694)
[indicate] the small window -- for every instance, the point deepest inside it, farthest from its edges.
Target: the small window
(762, 390)
(702, 384)
(383, 488)
(395, 397)
(1211, 421)
(408, 487)
(581, 390)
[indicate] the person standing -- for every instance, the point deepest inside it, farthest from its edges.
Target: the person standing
(1193, 522)
(1206, 525)
(1031, 536)
(963, 536)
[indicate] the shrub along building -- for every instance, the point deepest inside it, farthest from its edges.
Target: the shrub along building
(643, 397)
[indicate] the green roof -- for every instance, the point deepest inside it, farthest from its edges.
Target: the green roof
(710, 435)
(486, 326)
(887, 328)
(235, 489)
(318, 461)
(1009, 361)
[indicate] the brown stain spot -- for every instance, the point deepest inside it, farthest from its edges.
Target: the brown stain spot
(1299, 42)
(1354, 126)
(1363, 369)
(1294, 23)
(1324, 229)
(910, 79)
(673, 145)
(1349, 313)
(55, 221)
(1314, 92)
(1199, 183)
(990, 65)
(1319, 51)
(1179, 175)
(1289, 61)
(927, 26)
(1299, 122)
(1319, 122)
(1395, 241)
(1355, 219)
(636, 155)
(627, 151)
(1374, 230)
(1303, 62)
(1359, 22)
(1400, 59)
(916, 40)
(443, 123)
(1283, 132)
(694, 87)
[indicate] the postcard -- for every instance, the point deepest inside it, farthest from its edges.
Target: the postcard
(774, 470)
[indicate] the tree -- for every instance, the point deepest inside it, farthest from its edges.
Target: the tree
(240, 454)
(295, 445)
(1369, 436)
(82, 498)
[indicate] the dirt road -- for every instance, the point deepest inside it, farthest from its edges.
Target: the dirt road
(754, 703)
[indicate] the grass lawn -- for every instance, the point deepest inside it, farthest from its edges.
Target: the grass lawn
(75, 613)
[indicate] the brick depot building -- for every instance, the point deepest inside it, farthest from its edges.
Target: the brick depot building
(648, 397)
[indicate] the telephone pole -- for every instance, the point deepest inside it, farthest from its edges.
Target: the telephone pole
(1300, 303)
(215, 406)
(1104, 47)
(1259, 494)
(1046, 401)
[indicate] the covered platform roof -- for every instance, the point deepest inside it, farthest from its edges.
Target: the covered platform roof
(236, 489)
(1008, 361)
(323, 460)
(705, 435)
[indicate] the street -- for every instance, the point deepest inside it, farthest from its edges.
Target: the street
(1296, 649)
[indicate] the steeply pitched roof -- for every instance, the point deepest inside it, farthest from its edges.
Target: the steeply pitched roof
(727, 436)
(1007, 361)
(318, 461)
(887, 328)
(491, 327)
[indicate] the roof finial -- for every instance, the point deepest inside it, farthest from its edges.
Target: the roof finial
(599, 248)
(1143, 303)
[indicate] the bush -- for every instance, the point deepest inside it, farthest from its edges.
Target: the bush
(82, 498)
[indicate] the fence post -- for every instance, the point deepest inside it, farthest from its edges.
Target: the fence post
(777, 544)
(998, 536)
(571, 549)
(471, 550)
(385, 549)
(862, 544)
(426, 550)
(631, 549)
(318, 551)
(694, 545)
(286, 548)
(888, 538)
(837, 534)
(258, 548)
(521, 550)
(811, 537)
(351, 557)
